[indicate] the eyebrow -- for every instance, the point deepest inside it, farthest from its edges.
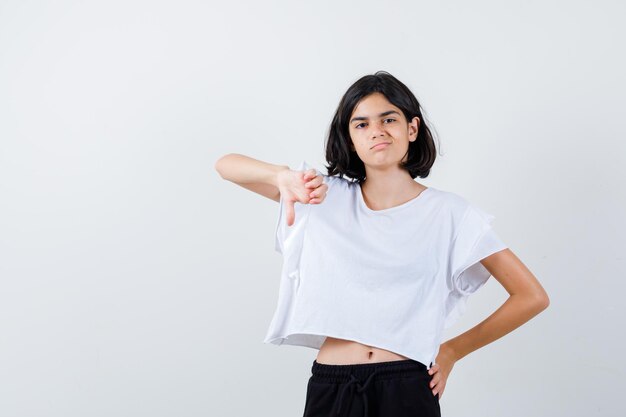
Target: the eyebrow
(380, 115)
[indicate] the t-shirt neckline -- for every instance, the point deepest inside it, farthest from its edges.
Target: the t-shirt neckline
(390, 209)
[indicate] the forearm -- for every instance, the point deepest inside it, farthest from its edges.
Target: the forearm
(515, 311)
(243, 169)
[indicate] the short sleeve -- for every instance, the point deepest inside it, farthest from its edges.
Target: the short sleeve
(291, 235)
(475, 239)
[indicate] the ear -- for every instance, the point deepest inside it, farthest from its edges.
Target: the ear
(414, 128)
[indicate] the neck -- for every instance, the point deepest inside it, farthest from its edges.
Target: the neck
(381, 190)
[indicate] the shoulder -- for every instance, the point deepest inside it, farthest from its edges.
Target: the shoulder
(450, 201)
(464, 212)
(461, 211)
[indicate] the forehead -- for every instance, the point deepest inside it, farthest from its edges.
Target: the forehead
(372, 105)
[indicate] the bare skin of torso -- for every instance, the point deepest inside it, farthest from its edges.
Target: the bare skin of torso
(347, 352)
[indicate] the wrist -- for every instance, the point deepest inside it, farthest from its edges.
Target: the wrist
(276, 172)
(448, 350)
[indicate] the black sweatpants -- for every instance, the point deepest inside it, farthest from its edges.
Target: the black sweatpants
(380, 389)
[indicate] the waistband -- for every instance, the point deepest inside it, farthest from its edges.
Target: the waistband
(342, 373)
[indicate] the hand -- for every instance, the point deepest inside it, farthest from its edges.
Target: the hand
(441, 369)
(302, 186)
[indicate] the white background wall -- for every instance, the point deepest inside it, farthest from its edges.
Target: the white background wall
(134, 281)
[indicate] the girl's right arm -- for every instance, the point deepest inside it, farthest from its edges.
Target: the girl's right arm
(274, 181)
(250, 173)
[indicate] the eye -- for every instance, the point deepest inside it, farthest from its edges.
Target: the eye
(392, 119)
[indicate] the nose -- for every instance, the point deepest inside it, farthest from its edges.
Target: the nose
(377, 131)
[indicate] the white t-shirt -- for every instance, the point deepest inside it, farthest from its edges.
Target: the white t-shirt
(392, 278)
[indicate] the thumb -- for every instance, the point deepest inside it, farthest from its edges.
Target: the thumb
(310, 173)
(291, 213)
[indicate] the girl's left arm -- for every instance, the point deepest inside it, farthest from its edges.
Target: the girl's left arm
(527, 299)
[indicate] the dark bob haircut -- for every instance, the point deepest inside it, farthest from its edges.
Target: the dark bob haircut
(344, 161)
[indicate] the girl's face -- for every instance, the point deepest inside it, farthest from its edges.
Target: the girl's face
(376, 121)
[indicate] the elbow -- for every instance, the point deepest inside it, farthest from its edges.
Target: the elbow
(542, 301)
(535, 301)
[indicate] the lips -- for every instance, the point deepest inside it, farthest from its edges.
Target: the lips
(379, 145)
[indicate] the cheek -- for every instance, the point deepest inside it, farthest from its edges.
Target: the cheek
(356, 142)
(355, 137)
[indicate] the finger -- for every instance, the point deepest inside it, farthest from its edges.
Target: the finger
(437, 385)
(439, 389)
(436, 382)
(315, 182)
(315, 200)
(319, 192)
(318, 195)
(291, 213)
(433, 369)
(318, 178)
(308, 174)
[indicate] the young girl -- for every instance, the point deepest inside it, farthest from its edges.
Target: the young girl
(376, 266)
